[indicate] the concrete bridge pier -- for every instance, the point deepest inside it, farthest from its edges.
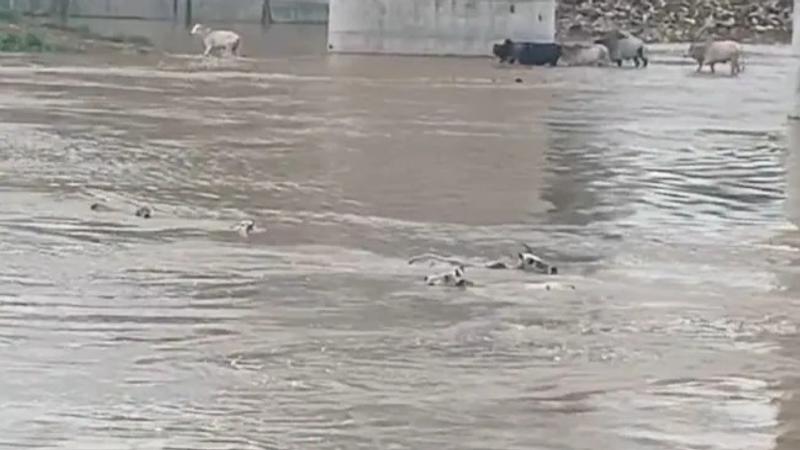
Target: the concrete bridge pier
(436, 27)
(795, 113)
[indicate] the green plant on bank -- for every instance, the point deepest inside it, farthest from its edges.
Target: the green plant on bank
(17, 35)
(136, 40)
(8, 16)
(86, 33)
(21, 42)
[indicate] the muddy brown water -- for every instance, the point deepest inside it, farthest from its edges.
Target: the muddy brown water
(660, 194)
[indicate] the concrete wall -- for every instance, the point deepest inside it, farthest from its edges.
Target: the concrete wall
(436, 27)
(244, 11)
(796, 28)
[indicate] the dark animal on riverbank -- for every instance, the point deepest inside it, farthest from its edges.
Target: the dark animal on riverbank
(527, 53)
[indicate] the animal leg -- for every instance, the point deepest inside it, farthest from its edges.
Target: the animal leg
(235, 48)
(636, 61)
(619, 62)
(207, 51)
(712, 67)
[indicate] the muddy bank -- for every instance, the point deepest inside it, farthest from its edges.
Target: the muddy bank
(678, 20)
(22, 34)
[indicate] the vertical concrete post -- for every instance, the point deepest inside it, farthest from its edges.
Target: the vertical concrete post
(436, 27)
(63, 11)
(188, 18)
(792, 168)
(266, 13)
(795, 114)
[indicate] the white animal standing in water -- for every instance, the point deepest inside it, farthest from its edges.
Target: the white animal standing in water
(581, 54)
(525, 260)
(246, 227)
(218, 39)
(714, 52)
(623, 46)
(453, 278)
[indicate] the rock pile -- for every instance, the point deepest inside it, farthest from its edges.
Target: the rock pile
(678, 20)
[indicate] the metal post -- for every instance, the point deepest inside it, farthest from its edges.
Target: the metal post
(188, 13)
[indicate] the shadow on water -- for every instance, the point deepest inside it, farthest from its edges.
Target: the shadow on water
(655, 191)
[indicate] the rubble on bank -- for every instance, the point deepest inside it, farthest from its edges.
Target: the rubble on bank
(753, 21)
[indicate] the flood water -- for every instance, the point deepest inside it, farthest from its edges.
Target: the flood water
(661, 195)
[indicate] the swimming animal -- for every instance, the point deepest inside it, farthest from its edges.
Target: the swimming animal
(525, 260)
(144, 212)
(99, 207)
(714, 52)
(246, 227)
(452, 278)
(623, 46)
(218, 39)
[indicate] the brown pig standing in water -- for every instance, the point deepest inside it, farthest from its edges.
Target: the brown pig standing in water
(713, 52)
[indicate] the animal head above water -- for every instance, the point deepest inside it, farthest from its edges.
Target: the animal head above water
(199, 29)
(529, 261)
(143, 212)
